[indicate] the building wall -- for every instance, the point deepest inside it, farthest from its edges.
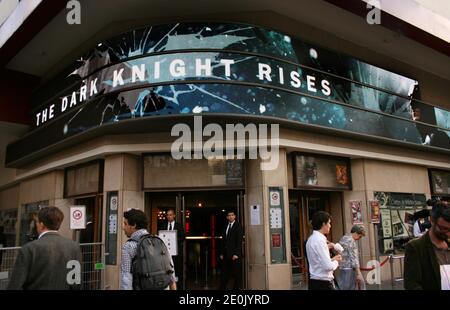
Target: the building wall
(388, 177)
(433, 87)
(122, 174)
(8, 133)
(276, 276)
(9, 198)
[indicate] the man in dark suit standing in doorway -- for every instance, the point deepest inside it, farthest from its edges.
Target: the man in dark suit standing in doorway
(170, 224)
(231, 252)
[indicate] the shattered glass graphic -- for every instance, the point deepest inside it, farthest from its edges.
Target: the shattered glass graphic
(371, 100)
(239, 38)
(244, 70)
(202, 99)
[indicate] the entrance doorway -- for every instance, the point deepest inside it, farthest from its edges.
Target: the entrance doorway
(302, 206)
(93, 231)
(203, 217)
(90, 239)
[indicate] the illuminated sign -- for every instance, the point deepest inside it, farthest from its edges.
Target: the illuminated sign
(226, 68)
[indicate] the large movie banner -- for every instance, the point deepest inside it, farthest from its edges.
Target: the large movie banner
(201, 68)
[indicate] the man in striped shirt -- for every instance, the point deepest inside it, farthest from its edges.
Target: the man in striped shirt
(134, 226)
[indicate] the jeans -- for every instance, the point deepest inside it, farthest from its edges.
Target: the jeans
(347, 279)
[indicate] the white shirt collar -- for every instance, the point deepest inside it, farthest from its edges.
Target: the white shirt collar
(47, 231)
(319, 234)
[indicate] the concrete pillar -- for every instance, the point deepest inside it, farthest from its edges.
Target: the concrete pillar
(122, 174)
(262, 274)
(361, 193)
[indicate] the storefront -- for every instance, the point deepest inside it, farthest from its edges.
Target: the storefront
(350, 134)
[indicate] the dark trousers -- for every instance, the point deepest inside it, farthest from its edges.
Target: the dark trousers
(178, 265)
(231, 269)
(320, 285)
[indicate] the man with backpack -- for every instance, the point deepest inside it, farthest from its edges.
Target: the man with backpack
(146, 262)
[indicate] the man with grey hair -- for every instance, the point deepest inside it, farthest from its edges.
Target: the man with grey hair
(350, 275)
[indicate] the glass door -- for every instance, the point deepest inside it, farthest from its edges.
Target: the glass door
(302, 206)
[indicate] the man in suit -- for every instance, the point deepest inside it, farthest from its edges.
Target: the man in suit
(231, 252)
(427, 259)
(171, 224)
(51, 262)
(87, 234)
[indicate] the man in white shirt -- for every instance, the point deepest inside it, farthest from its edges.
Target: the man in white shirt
(321, 265)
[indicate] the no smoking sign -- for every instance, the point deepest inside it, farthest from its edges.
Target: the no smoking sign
(78, 217)
(274, 198)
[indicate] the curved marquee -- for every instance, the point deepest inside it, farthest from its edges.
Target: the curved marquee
(200, 68)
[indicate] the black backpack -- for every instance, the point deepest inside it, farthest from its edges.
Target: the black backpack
(151, 266)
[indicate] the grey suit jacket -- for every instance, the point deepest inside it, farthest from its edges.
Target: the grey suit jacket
(42, 264)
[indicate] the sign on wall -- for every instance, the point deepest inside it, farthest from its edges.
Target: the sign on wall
(255, 215)
(112, 229)
(78, 217)
(170, 240)
(440, 182)
(277, 226)
(397, 219)
(231, 69)
(312, 170)
(374, 211)
(356, 211)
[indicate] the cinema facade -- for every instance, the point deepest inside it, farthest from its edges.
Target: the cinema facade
(355, 139)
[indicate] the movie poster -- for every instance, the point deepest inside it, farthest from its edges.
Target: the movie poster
(374, 211)
(341, 174)
(356, 211)
(386, 223)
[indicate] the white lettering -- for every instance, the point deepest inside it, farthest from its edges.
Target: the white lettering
(198, 140)
(37, 118)
(73, 100)
(281, 72)
(213, 147)
(117, 78)
(51, 113)
(295, 79)
(199, 67)
(64, 103)
(74, 15)
(311, 82)
(138, 72)
(83, 91)
(264, 72)
(273, 155)
(374, 16)
(157, 72)
(240, 131)
(326, 90)
(227, 63)
(181, 147)
(44, 116)
(74, 274)
(93, 89)
(176, 68)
